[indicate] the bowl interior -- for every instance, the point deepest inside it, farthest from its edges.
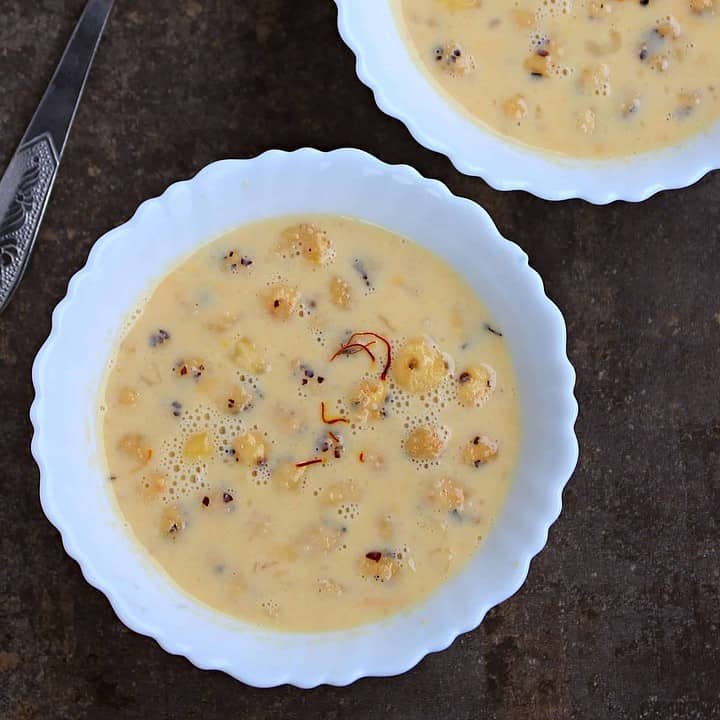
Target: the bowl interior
(123, 268)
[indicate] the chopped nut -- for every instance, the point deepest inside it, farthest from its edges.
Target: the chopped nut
(198, 446)
(586, 121)
(136, 446)
(382, 569)
(234, 261)
(419, 366)
(159, 337)
(701, 6)
(538, 63)
(128, 396)
(515, 107)
(191, 368)
(340, 293)
(172, 521)
(374, 459)
(669, 27)
(475, 385)
(246, 355)
(366, 400)
(288, 476)
(454, 60)
(250, 448)
(320, 538)
(660, 62)
(152, 486)
(479, 450)
(687, 102)
(425, 443)
(340, 492)
(447, 494)
(307, 241)
(303, 371)
(222, 321)
(234, 400)
(595, 79)
(631, 107)
(330, 587)
(281, 301)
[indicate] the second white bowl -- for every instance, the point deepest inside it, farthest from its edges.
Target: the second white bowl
(403, 91)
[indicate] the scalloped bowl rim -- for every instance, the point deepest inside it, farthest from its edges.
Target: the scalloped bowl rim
(402, 91)
(147, 601)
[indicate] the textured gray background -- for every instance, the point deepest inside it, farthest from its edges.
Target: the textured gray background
(619, 616)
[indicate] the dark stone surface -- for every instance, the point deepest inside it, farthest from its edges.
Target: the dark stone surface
(619, 617)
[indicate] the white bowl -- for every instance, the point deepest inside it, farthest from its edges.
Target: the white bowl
(126, 263)
(403, 91)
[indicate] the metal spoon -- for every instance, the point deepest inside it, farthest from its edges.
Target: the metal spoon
(26, 185)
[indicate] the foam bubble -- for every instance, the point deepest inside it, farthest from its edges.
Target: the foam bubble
(537, 40)
(132, 318)
(319, 336)
(553, 8)
(186, 476)
(271, 607)
(349, 511)
(261, 475)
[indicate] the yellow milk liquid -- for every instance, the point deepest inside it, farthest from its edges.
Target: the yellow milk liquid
(584, 78)
(272, 463)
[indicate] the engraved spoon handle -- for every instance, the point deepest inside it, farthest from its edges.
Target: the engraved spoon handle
(26, 185)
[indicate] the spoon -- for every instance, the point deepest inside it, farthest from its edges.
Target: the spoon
(28, 180)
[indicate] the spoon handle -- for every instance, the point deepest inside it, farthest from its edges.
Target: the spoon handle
(28, 180)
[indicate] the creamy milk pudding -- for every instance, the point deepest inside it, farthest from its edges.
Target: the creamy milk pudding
(311, 423)
(584, 78)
